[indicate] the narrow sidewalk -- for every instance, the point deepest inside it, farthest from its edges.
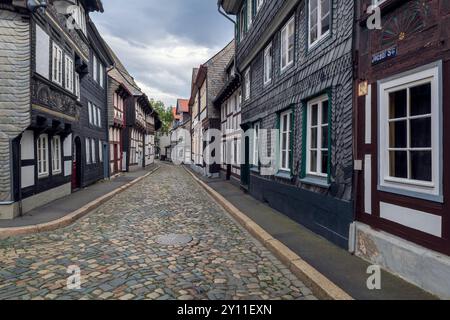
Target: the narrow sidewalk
(345, 270)
(62, 207)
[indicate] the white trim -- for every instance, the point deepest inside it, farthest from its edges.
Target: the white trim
(42, 156)
(57, 67)
(268, 64)
(418, 189)
(88, 150)
(56, 155)
(93, 153)
(319, 127)
(285, 39)
(413, 219)
(247, 84)
(368, 129)
(285, 166)
(69, 73)
(320, 36)
(368, 184)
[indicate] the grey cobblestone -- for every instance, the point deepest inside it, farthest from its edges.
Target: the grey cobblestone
(119, 258)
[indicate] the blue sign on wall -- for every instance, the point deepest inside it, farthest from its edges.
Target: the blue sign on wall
(384, 55)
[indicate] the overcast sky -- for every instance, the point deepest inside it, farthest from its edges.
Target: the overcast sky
(159, 42)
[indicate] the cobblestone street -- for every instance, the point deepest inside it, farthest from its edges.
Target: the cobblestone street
(115, 247)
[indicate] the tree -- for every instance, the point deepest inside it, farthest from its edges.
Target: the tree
(165, 115)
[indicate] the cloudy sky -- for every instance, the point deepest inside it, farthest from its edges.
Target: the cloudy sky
(159, 42)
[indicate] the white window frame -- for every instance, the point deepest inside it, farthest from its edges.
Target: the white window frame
(287, 165)
(90, 111)
(256, 135)
(242, 25)
(99, 118)
(94, 67)
(100, 151)
(285, 44)
(102, 76)
(320, 35)
(56, 155)
(69, 74)
(77, 86)
(88, 151)
(259, 4)
(419, 189)
(378, 2)
(57, 64)
(319, 126)
(249, 14)
(93, 153)
(42, 156)
(268, 64)
(248, 84)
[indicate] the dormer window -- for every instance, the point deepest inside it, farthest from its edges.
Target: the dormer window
(79, 16)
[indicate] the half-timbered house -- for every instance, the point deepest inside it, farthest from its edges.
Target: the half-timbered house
(40, 99)
(207, 81)
(402, 112)
(228, 101)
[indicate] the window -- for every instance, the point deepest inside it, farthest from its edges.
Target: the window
(79, 16)
(242, 18)
(102, 76)
(256, 130)
(100, 151)
(259, 4)
(249, 13)
(94, 68)
(268, 64)
(319, 20)
(93, 154)
(285, 140)
(57, 72)
(287, 44)
(410, 138)
(42, 155)
(90, 110)
(95, 115)
(69, 76)
(99, 118)
(317, 156)
(247, 84)
(77, 86)
(56, 155)
(88, 151)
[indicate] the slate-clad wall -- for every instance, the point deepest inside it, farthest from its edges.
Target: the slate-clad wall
(326, 67)
(93, 92)
(14, 89)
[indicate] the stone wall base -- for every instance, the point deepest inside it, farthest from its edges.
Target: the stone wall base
(425, 268)
(12, 211)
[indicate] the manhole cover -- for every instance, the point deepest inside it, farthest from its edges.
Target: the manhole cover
(173, 239)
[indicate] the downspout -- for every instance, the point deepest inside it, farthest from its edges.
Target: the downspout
(219, 8)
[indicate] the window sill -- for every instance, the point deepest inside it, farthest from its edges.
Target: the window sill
(285, 69)
(313, 46)
(254, 170)
(283, 174)
(316, 181)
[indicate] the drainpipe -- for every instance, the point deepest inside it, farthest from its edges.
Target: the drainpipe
(219, 8)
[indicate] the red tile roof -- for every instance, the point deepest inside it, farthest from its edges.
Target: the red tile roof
(175, 115)
(183, 105)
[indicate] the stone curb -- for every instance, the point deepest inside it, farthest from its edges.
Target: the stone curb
(320, 285)
(71, 217)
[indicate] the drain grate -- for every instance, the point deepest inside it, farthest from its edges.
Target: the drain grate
(173, 239)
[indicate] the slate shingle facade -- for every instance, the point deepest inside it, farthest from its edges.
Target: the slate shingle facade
(325, 68)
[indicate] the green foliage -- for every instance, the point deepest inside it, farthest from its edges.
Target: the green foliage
(165, 115)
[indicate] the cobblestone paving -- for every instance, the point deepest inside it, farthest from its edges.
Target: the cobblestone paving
(116, 251)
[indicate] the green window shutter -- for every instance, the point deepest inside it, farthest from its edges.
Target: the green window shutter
(304, 141)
